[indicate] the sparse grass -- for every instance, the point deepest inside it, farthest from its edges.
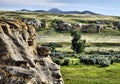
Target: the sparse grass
(104, 44)
(94, 48)
(111, 32)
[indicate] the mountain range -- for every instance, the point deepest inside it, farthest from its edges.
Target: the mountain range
(58, 11)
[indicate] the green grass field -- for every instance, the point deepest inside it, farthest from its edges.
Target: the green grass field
(88, 74)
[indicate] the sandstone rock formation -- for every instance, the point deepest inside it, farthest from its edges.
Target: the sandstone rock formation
(63, 26)
(35, 22)
(21, 60)
(91, 28)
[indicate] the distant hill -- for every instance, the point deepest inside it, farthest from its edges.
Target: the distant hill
(55, 10)
(39, 11)
(25, 10)
(58, 11)
(88, 12)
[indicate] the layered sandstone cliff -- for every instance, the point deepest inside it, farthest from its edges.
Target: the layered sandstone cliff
(21, 60)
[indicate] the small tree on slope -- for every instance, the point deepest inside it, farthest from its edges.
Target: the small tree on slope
(78, 45)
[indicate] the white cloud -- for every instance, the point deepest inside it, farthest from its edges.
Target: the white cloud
(49, 3)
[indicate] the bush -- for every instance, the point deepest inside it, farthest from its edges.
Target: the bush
(93, 60)
(76, 63)
(88, 60)
(61, 57)
(103, 62)
(117, 58)
(66, 62)
(84, 59)
(56, 60)
(58, 54)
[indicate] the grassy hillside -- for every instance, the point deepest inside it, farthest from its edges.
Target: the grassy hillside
(67, 17)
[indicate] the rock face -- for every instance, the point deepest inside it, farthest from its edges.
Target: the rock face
(91, 28)
(63, 26)
(35, 22)
(21, 60)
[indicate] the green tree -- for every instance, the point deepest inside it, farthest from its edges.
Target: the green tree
(78, 45)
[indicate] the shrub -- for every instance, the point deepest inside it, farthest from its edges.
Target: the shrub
(88, 60)
(76, 63)
(103, 62)
(116, 58)
(61, 57)
(66, 62)
(93, 60)
(58, 54)
(56, 60)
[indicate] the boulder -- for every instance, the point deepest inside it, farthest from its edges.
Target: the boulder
(43, 50)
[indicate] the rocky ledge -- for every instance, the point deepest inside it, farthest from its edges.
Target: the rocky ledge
(21, 60)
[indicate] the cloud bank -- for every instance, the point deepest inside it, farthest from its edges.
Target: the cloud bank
(31, 3)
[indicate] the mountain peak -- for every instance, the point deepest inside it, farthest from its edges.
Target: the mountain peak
(55, 10)
(24, 10)
(88, 12)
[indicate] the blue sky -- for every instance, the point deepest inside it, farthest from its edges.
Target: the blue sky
(107, 7)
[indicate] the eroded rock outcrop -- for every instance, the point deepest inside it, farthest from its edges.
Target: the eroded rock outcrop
(21, 60)
(91, 28)
(63, 26)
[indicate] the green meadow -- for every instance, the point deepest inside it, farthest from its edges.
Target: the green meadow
(91, 74)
